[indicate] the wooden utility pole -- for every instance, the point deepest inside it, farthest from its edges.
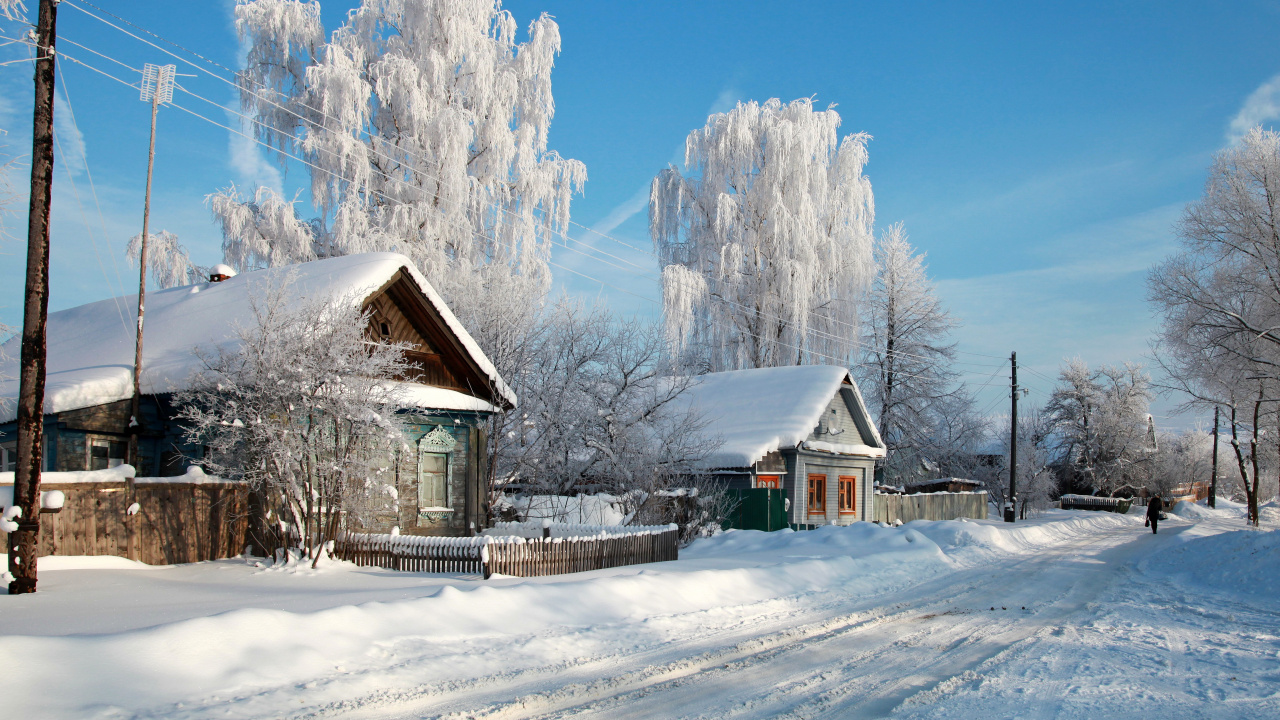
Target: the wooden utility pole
(1011, 506)
(1213, 480)
(26, 482)
(157, 87)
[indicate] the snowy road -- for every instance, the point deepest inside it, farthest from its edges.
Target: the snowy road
(1070, 615)
(846, 657)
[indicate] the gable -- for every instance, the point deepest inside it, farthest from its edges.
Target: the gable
(400, 313)
(388, 323)
(838, 423)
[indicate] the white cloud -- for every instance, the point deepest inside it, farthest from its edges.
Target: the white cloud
(725, 101)
(1262, 106)
(623, 212)
(251, 166)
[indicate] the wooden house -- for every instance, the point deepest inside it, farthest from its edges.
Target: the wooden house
(802, 429)
(441, 482)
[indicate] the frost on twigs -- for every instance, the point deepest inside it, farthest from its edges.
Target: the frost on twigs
(775, 215)
(424, 126)
(167, 260)
(12, 9)
(305, 410)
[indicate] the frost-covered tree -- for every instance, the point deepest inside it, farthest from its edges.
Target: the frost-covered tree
(1219, 298)
(424, 125)
(1100, 420)
(168, 262)
(906, 373)
(605, 416)
(305, 410)
(766, 242)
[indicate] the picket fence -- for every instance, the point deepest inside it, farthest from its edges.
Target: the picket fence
(520, 555)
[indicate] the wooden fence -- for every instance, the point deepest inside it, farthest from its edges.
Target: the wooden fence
(173, 523)
(511, 554)
(891, 508)
(1091, 502)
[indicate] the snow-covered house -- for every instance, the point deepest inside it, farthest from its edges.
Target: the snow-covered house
(90, 367)
(802, 429)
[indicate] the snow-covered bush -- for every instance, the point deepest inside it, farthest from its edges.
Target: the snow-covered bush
(306, 411)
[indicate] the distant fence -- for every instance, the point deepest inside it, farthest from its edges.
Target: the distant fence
(891, 508)
(1092, 502)
(174, 522)
(517, 549)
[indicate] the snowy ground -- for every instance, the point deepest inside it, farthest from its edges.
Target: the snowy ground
(1074, 614)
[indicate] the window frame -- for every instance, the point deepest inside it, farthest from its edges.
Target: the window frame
(848, 490)
(817, 490)
(445, 489)
(771, 482)
(104, 441)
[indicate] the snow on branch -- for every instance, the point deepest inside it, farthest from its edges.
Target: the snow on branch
(776, 216)
(167, 260)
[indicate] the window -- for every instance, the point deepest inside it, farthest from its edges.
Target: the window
(9, 457)
(817, 493)
(848, 494)
(433, 481)
(773, 482)
(104, 453)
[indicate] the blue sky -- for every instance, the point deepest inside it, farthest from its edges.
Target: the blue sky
(1039, 155)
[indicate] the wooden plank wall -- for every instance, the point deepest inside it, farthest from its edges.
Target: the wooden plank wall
(531, 558)
(930, 506)
(175, 523)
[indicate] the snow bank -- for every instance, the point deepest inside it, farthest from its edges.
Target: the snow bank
(1240, 562)
(250, 653)
(86, 562)
(1200, 511)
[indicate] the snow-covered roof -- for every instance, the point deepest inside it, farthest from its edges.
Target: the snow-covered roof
(91, 347)
(756, 412)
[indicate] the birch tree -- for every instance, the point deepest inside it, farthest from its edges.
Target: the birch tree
(424, 127)
(766, 242)
(305, 409)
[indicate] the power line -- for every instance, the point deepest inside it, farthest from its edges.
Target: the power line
(840, 361)
(242, 87)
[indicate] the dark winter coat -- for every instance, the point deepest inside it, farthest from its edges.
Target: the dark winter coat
(1154, 508)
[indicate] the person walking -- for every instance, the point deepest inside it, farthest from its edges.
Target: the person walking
(1154, 508)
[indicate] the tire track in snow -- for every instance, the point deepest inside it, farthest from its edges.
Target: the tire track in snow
(867, 682)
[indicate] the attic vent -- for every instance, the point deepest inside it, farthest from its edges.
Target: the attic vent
(385, 329)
